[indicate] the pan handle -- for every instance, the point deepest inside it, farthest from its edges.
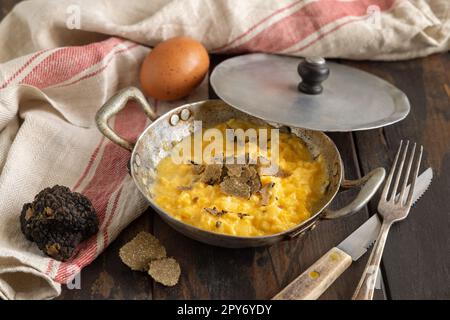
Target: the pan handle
(116, 103)
(370, 184)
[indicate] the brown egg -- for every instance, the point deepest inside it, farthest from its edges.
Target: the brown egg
(174, 68)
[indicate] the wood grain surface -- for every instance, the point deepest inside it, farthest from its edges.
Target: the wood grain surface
(416, 261)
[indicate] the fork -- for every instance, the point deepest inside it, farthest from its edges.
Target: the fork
(392, 209)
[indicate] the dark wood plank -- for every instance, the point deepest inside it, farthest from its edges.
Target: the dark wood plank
(416, 258)
(6, 6)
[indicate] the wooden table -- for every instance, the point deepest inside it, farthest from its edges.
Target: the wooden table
(416, 261)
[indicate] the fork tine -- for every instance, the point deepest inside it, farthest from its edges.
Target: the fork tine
(391, 173)
(399, 173)
(408, 171)
(413, 182)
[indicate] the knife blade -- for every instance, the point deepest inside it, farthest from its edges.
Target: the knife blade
(362, 238)
(318, 277)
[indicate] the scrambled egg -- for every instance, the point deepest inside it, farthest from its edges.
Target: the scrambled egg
(292, 198)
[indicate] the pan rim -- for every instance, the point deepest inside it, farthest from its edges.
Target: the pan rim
(304, 224)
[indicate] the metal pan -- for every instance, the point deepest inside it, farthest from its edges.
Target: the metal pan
(151, 147)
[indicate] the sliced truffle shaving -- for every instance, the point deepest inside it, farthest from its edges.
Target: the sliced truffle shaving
(235, 187)
(254, 180)
(264, 164)
(255, 185)
(197, 168)
(212, 211)
(215, 212)
(141, 250)
(249, 172)
(212, 174)
(281, 173)
(165, 271)
(240, 180)
(184, 188)
(265, 193)
(234, 170)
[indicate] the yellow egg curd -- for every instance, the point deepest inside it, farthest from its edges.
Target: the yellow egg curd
(292, 199)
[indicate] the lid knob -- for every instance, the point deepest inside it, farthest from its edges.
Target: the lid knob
(313, 70)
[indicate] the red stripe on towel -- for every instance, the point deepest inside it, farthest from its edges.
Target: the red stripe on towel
(110, 218)
(22, 68)
(108, 178)
(306, 21)
(49, 266)
(90, 164)
(92, 74)
(276, 12)
(67, 62)
(322, 35)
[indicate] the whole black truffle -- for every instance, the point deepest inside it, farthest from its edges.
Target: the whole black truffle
(58, 220)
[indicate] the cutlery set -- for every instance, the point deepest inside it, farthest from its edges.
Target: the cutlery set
(313, 282)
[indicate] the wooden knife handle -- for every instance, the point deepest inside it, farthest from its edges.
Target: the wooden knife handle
(317, 278)
(366, 286)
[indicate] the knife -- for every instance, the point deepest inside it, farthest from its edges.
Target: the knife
(317, 278)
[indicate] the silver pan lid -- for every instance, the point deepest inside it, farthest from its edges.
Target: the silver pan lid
(326, 97)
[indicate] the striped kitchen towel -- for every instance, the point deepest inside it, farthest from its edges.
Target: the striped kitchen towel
(61, 60)
(54, 95)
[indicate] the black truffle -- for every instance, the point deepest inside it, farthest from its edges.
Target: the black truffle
(58, 220)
